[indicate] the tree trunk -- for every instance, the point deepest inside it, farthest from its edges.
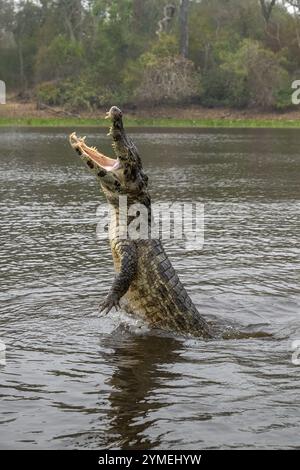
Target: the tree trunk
(184, 27)
(23, 81)
(137, 9)
(266, 8)
(70, 29)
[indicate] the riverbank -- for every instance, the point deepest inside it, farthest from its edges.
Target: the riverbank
(15, 114)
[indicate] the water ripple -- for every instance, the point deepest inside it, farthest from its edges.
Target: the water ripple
(75, 379)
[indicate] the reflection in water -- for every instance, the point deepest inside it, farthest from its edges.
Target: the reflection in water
(73, 379)
(140, 365)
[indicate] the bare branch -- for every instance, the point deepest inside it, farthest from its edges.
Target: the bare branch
(164, 24)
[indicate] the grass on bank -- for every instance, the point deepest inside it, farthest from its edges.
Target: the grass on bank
(150, 122)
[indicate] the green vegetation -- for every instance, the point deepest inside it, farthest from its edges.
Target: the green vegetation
(156, 122)
(86, 54)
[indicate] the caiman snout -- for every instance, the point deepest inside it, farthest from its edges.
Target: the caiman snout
(114, 113)
(93, 157)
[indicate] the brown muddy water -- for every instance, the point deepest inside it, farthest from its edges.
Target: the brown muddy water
(73, 379)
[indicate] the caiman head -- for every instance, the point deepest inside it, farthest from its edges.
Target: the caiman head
(122, 175)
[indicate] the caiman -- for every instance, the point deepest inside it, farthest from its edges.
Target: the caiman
(146, 284)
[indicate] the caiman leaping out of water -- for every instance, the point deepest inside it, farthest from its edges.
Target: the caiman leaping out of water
(146, 284)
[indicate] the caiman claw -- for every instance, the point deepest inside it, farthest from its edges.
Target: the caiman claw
(108, 303)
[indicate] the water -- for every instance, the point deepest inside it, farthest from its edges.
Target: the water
(75, 379)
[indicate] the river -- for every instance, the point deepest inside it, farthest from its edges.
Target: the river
(73, 379)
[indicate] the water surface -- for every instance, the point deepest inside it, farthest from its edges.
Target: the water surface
(73, 379)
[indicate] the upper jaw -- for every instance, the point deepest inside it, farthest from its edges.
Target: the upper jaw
(108, 164)
(114, 113)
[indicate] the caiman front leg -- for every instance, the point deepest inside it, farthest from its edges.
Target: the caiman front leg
(126, 254)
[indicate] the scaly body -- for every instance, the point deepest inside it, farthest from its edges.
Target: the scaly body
(146, 284)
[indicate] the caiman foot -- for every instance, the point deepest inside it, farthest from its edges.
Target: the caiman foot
(108, 303)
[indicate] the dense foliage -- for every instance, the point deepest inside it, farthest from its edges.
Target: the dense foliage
(83, 54)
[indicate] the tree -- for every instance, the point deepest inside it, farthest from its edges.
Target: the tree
(27, 21)
(255, 76)
(71, 12)
(295, 4)
(86, 53)
(168, 80)
(184, 27)
(266, 8)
